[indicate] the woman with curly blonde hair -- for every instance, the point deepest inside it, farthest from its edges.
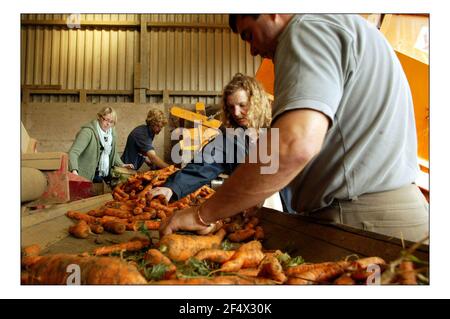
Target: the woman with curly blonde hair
(245, 103)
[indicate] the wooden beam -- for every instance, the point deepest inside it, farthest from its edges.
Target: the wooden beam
(186, 25)
(65, 91)
(185, 93)
(125, 24)
(43, 87)
(77, 92)
(196, 93)
(83, 23)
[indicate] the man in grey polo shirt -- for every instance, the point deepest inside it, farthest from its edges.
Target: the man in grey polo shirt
(344, 112)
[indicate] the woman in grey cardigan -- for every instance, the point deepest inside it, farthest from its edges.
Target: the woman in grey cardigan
(94, 151)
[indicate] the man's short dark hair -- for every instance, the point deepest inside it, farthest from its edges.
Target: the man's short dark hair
(233, 18)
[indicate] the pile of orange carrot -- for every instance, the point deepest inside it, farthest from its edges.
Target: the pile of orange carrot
(191, 259)
(133, 206)
(188, 259)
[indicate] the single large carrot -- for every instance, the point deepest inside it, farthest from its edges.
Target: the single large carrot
(80, 216)
(59, 270)
(292, 271)
(133, 245)
(117, 213)
(318, 275)
(182, 247)
(114, 227)
(80, 229)
(271, 268)
(247, 256)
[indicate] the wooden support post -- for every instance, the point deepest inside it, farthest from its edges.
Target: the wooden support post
(83, 96)
(165, 96)
(25, 96)
(144, 60)
(137, 83)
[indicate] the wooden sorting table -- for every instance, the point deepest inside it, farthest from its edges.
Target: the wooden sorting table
(317, 242)
(297, 235)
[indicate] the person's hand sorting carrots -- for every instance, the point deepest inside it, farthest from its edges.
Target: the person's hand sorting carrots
(186, 219)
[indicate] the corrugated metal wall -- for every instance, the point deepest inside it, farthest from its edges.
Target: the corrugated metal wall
(200, 55)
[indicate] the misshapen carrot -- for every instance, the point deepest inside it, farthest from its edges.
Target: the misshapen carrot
(247, 256)
(182, 247)
(80, 229)
(271, 268)
(215, 255)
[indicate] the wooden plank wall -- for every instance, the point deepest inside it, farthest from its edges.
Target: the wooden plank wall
(180, 52)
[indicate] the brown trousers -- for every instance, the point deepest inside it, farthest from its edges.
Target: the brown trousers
(401, 213)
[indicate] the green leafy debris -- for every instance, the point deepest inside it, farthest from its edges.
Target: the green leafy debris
(227, 245)
(195, 268)
(287, 261)
(155, 272)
